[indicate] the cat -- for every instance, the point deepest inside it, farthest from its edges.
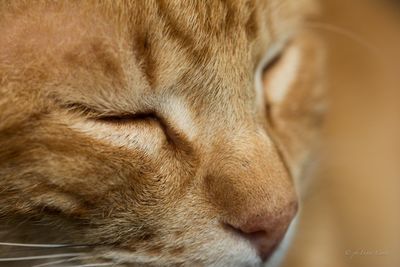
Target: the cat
(154, 133)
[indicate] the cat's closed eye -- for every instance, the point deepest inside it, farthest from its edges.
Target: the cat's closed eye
(126, 128)
(274, 60)
(150, 119)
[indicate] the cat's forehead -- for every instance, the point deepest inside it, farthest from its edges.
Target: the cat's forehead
(167, 39)
(202, 51)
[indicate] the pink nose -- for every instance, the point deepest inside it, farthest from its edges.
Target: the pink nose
(265, 231)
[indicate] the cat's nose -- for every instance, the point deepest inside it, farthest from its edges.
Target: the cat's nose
(265, 231)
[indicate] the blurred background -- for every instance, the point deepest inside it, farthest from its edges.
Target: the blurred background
(351, 215)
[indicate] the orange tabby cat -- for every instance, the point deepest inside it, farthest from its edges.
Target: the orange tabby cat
(140, 133)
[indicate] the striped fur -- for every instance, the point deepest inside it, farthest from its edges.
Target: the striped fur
(136, 125)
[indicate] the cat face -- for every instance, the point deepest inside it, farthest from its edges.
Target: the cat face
(144, 131)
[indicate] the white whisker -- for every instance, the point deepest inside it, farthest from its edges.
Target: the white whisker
(50, 256)
(347, 33)
(94, 264)
(33, 245)
(52, 263)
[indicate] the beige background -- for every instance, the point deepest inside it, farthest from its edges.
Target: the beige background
(351, 215)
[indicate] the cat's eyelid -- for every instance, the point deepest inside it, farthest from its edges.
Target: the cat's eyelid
(271, 54)
(115, 118)
(82, 109)
(95, 113)
(275, 51)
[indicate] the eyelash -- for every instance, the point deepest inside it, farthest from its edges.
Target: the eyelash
(92, 113)
(126, 118)
(122, 119)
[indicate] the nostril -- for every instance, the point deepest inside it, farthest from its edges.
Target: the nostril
(264, 244)
(261, 240)
(264, 231)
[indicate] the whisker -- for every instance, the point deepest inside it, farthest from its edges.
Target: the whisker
(94, 264)
(50, 256)
(51, 263)
(39, 245)
(344, 32)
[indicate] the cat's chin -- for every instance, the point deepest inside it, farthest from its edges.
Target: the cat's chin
(229, 251)
(245, 257)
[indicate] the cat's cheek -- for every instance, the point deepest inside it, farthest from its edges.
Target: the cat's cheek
(148, 139)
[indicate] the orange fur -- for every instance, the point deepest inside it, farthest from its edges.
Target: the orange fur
(135, 125)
